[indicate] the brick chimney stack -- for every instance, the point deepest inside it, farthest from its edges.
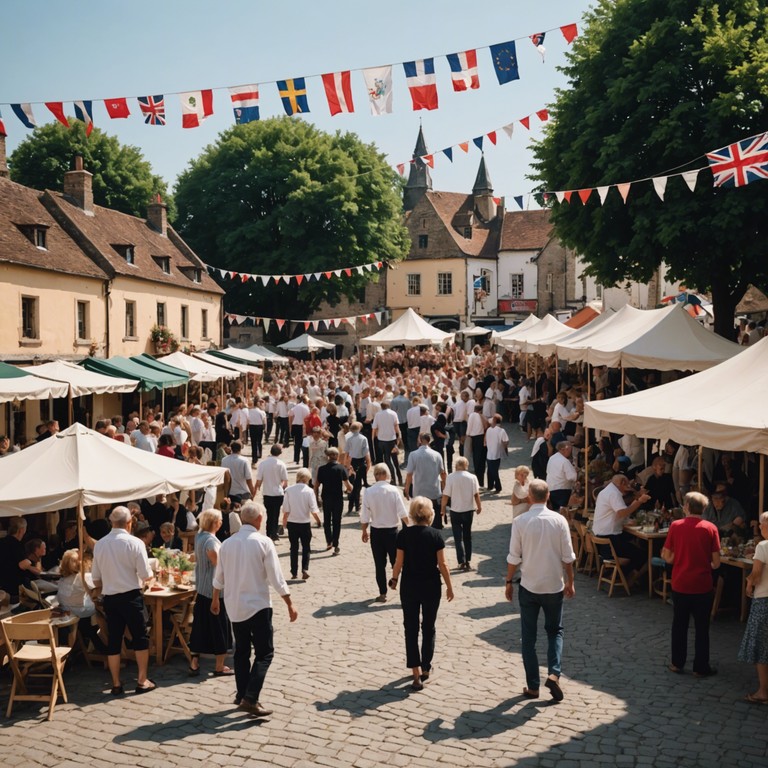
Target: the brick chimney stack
(78, 186)
(157, 216)
(3, 162)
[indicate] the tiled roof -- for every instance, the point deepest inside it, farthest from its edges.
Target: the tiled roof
(106, 228)
(525, 231)
(21, 206)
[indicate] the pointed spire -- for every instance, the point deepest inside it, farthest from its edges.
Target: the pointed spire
(483, 181)
(419, 180)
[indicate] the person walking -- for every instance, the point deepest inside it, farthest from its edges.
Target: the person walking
(247, 566)
(693, 547)
(210, 633)
(421, 559)
(386, 433)
(496, 442)
(332, 481)
(299, 507)
(462, 492)
(239, 484)
(476, 426)
(120, 568)
(359, 453)
(425, 476)
(540, 545)
(272, 479)
(383, 510)
(561, 475)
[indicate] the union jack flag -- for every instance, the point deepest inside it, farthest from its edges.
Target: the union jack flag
(738, 164)
(153, 109)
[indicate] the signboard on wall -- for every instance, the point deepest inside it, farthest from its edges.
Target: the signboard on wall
(507, 306)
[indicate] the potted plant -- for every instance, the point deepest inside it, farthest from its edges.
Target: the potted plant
(165, 342)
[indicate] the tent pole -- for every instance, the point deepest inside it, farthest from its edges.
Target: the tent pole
(70, 411)
(80, 542)
(589, 383)
(761, 493)
(557, 374)
(699, 468)
(186, 393)
(141, 406)
(586, 470)
(622, 379)
(162, 400)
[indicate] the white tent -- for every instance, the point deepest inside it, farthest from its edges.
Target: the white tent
(529, 322)
(547, 330)
(267, 354)
(229, 364)
(577, 337)
(18, 384)
(473, 330)
(198, 370)
(717, 408)
(667, 339)
(305, 343)
(79, 467)
(409, 330)
(80, 380)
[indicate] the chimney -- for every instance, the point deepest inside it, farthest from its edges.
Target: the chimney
(78, 186)
(3, 162)
(157, 216)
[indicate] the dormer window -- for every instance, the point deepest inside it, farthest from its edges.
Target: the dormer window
(164, 262)
(36, 234)
(125, 252)
(195, 274)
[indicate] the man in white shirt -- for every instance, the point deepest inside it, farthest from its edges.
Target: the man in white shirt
(247, 566)
(540, 545)
(299, 507)
(413, 418)
(239, 486)
(257, 421)
(120, 568)
(460, 419)
(383, 510)
(359, 454)
(296, 417)
(496, 441)
(462, 491)
(195, 426)
(561, 475)
(272, 480)
(476, 426)
(145, 441)
(386, 433)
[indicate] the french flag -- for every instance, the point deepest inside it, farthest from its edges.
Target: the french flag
(245, 103)
(420, 78)
(338, 91)
(464, 70)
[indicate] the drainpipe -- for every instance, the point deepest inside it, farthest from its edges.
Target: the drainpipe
(107, 300)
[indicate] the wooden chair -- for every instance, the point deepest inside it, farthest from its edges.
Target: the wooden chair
(590, 556)
(662, 584)
(30, 643)
(611, 568)
(181, 628)
(31, 598)
(577, 542)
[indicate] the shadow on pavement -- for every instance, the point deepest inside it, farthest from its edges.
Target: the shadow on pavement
(205, 723)
(359, 703)
(352, 608)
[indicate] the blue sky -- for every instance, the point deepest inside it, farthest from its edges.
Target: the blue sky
(96, 49)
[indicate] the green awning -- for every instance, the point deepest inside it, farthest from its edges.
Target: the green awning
(127, 368)
(11, 371)
(170, 370)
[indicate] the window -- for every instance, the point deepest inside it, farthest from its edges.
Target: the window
(29, 328)
(164, 262)
(549, 282)
(82, 319)
(126, 252)
(160, 313)
(130, 319)
(598, 291)
(36, 234)
(444, 283)
(184, 322)
(423, 241)
(361, 295)
(423, 223)
(414, 285)
(204, 323)
(197, 275)
(516, 286)
(468, 232)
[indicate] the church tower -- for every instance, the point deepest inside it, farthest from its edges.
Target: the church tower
(483, 194)
(419, 180)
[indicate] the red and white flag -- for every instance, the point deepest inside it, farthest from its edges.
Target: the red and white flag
(57, 109)
(464, 70)
(195, 107)
(420, 77)
(338, 91)
(117, 108)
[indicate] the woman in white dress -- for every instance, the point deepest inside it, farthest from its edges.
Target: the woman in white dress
(519, 500)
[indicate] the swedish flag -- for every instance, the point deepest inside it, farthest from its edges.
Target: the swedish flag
(293, 94)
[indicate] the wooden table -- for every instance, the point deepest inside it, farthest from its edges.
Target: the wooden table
(745, 564)
(649, 538)
(158, 601)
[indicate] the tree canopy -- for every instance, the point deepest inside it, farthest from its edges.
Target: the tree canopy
(654, 85)
(279, 196)
(122, 178)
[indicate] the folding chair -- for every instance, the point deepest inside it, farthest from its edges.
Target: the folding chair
(181, 628)
(30, 643)
(590, 565)
(662, 584)
(31, 598)
(611, 568)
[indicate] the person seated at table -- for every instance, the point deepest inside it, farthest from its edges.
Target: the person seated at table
(146, 533)
(158, 512)
(660, 486)
(76, 597)
(35, 550)
(611, 513)
(69, 539)
(15, 567)
(167, 538)
(726, 513)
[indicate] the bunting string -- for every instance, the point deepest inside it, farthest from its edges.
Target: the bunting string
(244, 277)
(325, 323)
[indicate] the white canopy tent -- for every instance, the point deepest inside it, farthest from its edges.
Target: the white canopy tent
(305, 343)
(240, 368)
(577, 336)
(529, 322)
(19, 384)
(717, 408)
(667, 339)
(409, 330)
(80, 380)
(473, 330)
(267, 354)
(549, 329)
(199, 370)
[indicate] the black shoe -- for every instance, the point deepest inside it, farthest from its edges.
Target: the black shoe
(709, 672)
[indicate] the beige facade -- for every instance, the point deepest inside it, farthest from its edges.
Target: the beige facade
(430, 287)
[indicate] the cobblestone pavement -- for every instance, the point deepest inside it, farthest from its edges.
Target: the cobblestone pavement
(339, 685)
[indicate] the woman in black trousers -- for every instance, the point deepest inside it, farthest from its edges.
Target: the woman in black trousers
(421, 558)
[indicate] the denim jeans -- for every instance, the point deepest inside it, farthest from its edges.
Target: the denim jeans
(255, 632)
(552, 605)
(461, 523)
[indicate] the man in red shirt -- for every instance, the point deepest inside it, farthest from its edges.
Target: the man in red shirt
(693, 545)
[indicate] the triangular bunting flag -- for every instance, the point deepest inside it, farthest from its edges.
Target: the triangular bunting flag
(690, 177)
(328, 274)
(84, 112)
(519, 200)
(364, 318)
(602, 192)
(57, 108)
(299, 279)
(448, 152)
(348, 272)
(543, 115)
(24, 113)
(429, 160)
(378, 316)
(315, 324)
(352, 321)
(280, 324)
(306, 325)
(464, 145)
(491, 137)
(401, 169)
(478, 142)
(623, 190)
(660, 185)
(568, 195)
(233, 275)
(560, 196)
(267, 322)
(316, 275)
(245, 278)
(526, 122)
(379, 264)
(509, 129)
(570, 31)
(360, 270)
(584, 195)
(264, 280)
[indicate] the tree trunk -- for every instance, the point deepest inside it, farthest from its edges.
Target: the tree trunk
(724, 302)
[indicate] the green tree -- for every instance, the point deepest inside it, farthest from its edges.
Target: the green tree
(122, 178)
(654, 84)
(279, 196)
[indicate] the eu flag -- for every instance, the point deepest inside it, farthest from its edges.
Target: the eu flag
(504, 56)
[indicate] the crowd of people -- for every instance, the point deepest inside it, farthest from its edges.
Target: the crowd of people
(410, 443)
